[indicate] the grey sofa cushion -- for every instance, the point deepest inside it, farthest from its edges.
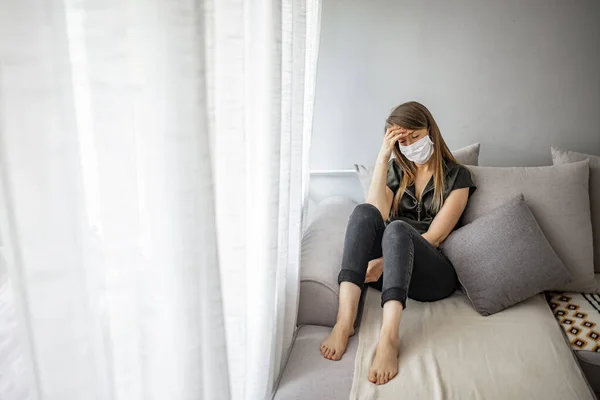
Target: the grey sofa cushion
(562, 157)
(504, 258)
(558, 197)
(320, 261)
(467, 156)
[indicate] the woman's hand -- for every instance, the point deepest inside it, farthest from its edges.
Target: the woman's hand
(392, 135)
(374, 270)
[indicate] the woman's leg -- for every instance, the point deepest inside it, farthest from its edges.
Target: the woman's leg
(411, 267)
(362, 244)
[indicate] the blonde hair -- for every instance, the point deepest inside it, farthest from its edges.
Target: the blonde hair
(415, 116)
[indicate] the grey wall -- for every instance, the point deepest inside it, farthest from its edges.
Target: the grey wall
(517, 76)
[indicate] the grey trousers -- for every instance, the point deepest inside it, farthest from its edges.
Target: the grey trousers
(411, 265)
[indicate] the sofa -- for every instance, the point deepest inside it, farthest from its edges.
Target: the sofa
(450, 350)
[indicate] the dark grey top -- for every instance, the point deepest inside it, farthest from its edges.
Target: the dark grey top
(419, 213)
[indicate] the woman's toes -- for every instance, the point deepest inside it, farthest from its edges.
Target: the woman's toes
(384, 366)
(334, 346)
(372, 377)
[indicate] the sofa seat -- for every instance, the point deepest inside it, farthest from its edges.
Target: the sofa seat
(449, 351)
(517, 334)
(309, 376)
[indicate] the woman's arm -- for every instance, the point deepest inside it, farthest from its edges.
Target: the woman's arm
(447, 217)
(380, 195)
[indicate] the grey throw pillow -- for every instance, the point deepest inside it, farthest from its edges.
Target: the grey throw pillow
(558, 197)
(504, 258)
(467, 156)
(559, 157)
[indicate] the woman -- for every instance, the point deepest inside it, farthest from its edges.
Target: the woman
(414, 203)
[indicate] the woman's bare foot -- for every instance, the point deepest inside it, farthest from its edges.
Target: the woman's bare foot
(334, 346)
(385, 364)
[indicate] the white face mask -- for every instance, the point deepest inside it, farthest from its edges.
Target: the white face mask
(420, 151)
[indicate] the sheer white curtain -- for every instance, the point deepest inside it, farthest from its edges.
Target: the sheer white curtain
(153, 162)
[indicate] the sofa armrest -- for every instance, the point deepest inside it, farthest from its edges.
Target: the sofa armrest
(320, 261)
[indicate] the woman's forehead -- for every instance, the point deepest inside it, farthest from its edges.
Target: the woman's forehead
(406, 129)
